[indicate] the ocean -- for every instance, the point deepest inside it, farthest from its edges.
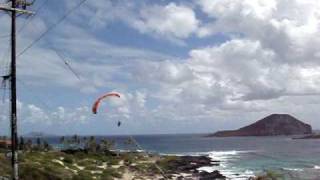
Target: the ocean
(241, 157)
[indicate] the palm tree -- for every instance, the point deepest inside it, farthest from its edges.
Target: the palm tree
(62, 142)
(92, 144)
(21, 143)
(39, 145)
(85, 144)
(29, 145)
(46, 146)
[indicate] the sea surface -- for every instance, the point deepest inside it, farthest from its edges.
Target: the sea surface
(241, 157)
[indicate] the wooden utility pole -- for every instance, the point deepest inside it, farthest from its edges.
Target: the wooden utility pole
(14, 134)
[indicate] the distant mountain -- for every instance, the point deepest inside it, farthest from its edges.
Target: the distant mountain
(273, 125)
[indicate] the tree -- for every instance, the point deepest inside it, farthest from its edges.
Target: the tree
(28, 145)
(106, 145)
(76, 141)
(21, 143)
(39, 145)
(63, 142)
(46, 146)
(92, 144)
(85, 143)
(62, 139)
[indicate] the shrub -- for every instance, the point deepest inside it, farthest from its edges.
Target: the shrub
(111, 173)
(68, 160)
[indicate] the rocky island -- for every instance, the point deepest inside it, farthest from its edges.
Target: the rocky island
(272, 125)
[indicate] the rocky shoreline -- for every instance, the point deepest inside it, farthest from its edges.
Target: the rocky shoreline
(186, 167)
(311, 136)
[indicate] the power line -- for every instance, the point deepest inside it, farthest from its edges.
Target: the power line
(66, 63)
(5, 36)
(26, 23)
(146, 153)
(51, 27)
(36, 97)
(5, 53)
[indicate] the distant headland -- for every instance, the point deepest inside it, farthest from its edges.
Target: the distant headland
(272, 125)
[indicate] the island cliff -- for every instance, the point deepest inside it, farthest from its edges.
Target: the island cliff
(272, 125)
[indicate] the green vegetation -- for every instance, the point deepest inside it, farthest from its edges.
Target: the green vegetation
(82, 159)
(56, 165)
(166, 162)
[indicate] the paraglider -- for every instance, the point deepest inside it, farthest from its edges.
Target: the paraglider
(97, 102)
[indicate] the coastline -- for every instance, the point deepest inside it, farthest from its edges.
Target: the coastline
(76, 164)
(241, 161)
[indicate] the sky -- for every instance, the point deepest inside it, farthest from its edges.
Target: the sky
(193, 66)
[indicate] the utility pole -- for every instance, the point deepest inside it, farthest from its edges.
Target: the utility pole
(15, 4)
(14, 133)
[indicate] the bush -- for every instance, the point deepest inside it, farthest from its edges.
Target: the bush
(31, 173)
(108, 173)
(83, 175)
(68, 160)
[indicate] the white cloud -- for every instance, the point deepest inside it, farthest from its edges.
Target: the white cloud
(171, 21)
(32, 114)
(288, 28)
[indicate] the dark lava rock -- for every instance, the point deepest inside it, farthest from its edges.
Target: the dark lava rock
(211, 176)
(189, 163)
(273, 125)
(312, 136)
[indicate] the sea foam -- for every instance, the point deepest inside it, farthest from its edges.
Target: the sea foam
(225, 166)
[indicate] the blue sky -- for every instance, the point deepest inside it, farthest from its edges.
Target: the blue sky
(180, 66)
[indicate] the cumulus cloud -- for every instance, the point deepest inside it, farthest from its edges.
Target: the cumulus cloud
(286, 28)
(171, 21)
(32, 117)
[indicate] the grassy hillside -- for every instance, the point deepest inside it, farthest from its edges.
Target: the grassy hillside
(80, 165)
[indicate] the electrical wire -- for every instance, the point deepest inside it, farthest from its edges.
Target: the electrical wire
(27, 22)
(5, 36)
(3, 87)
(51, 28)
(62, 58)
(35, 97)
(146, 154)
(65, 62)
(3, 59)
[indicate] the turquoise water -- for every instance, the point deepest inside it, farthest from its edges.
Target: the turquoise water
(240, 157)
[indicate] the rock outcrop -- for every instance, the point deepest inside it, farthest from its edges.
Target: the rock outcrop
(273, 125)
